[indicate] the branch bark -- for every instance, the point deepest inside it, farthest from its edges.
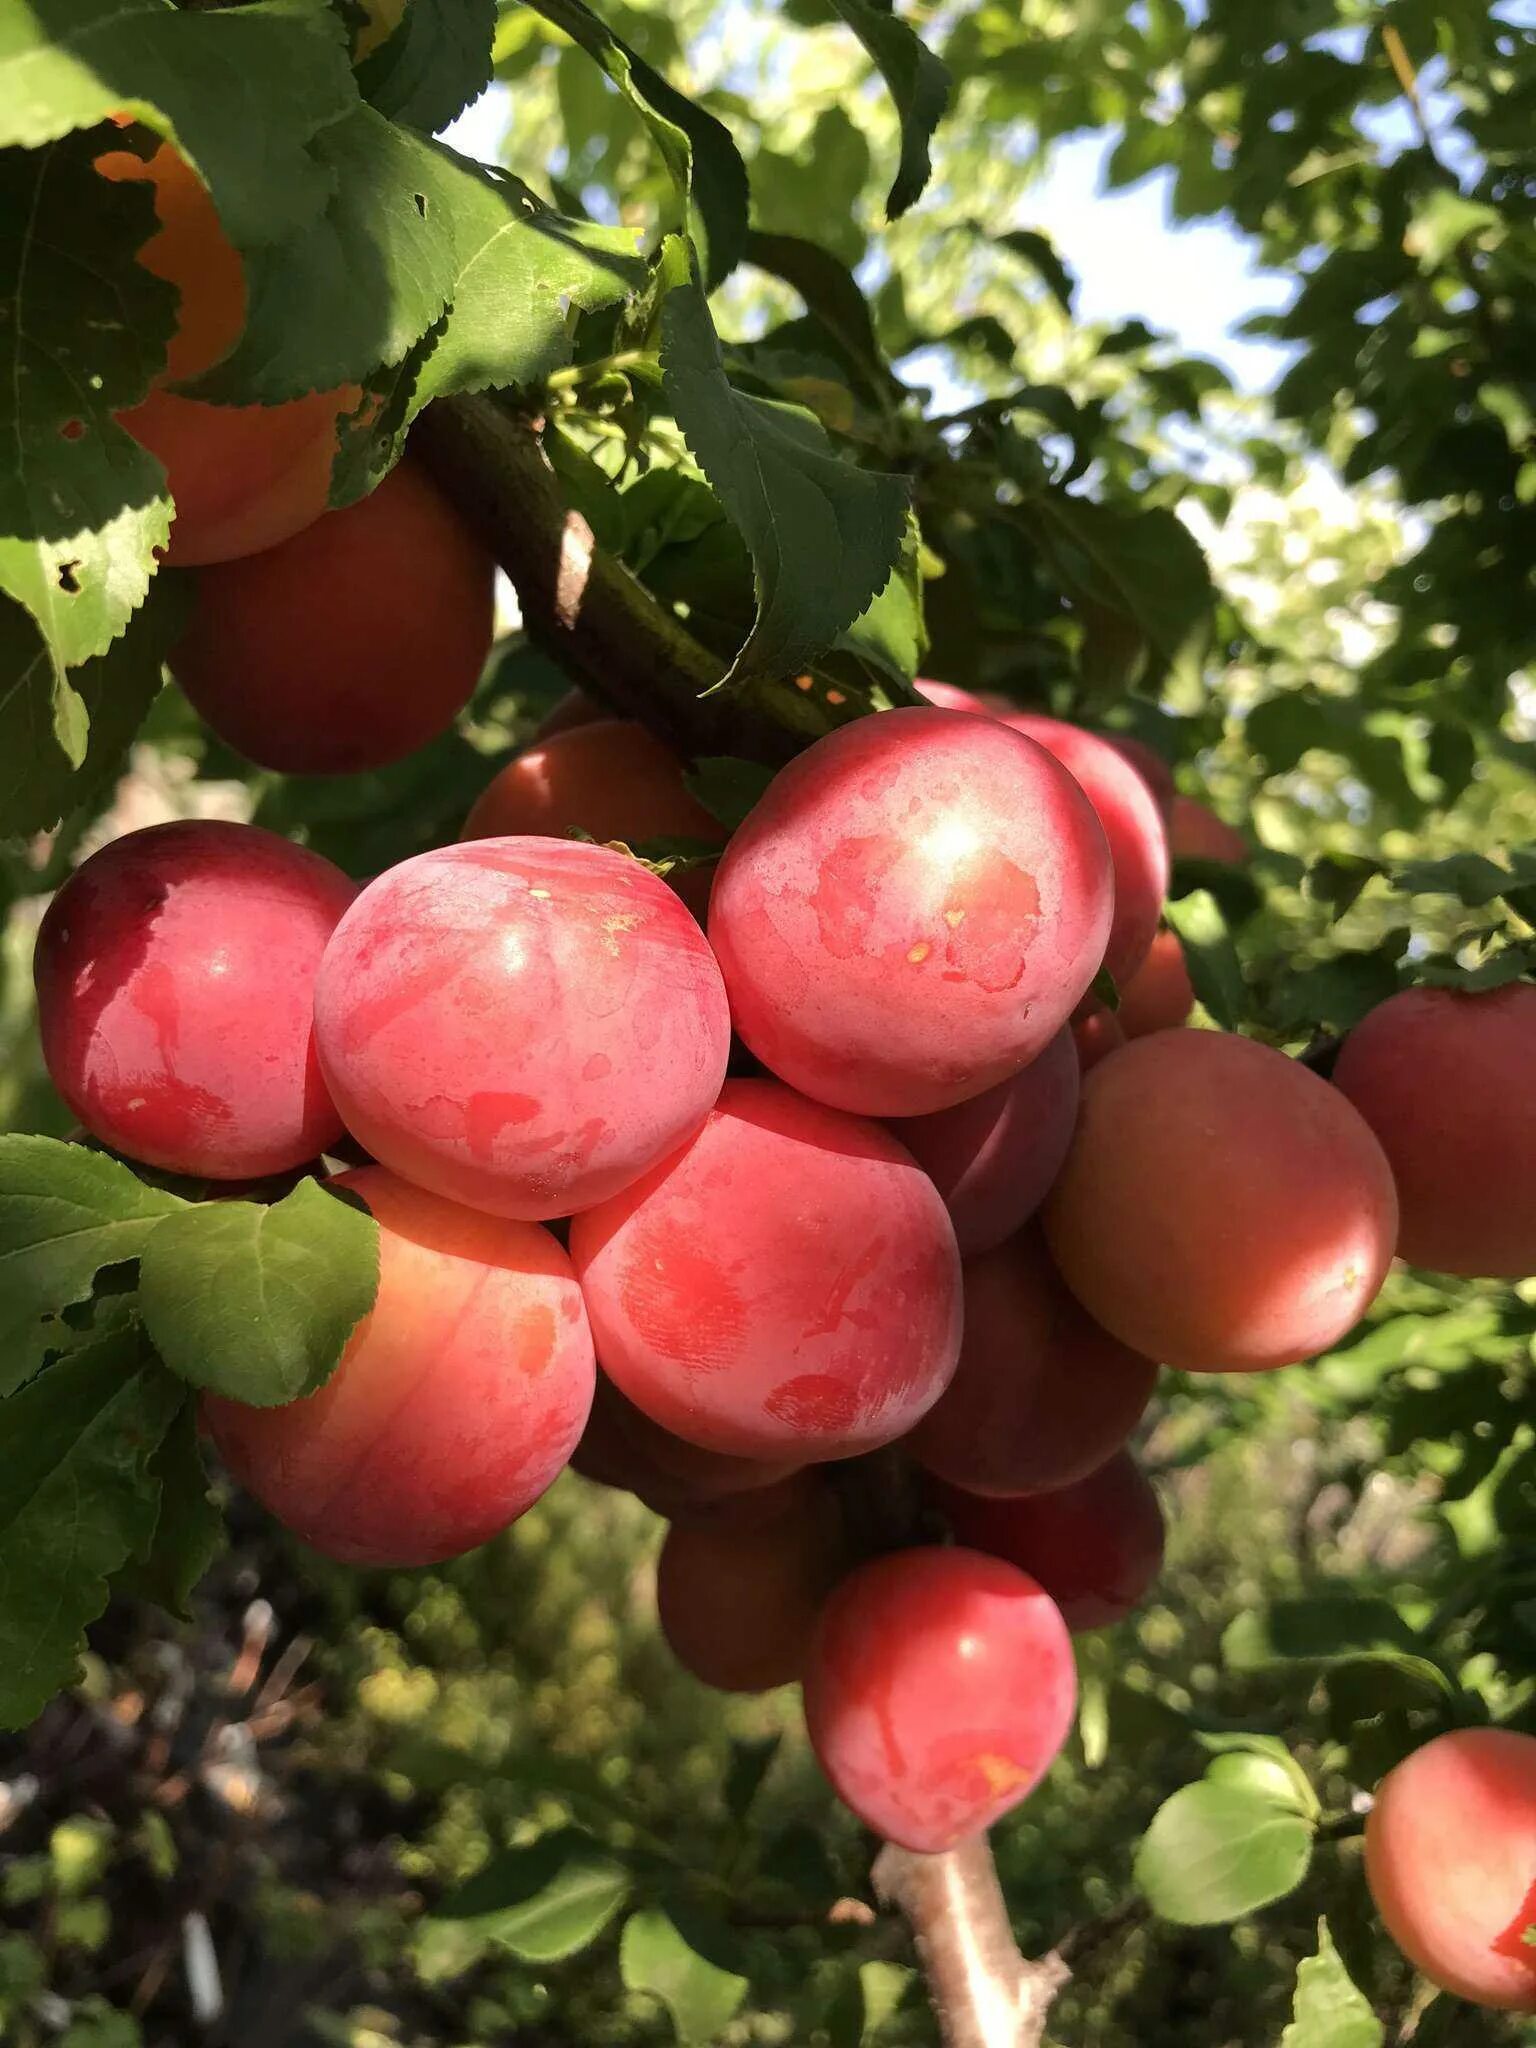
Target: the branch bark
(984, 1993)
(585, 609)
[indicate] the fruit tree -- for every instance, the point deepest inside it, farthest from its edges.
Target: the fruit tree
(661, 821)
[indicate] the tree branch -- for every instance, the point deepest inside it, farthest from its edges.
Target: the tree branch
(1408, 80)
(984, 1993)
(585, 609)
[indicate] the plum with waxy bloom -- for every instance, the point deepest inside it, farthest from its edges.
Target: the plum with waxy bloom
(458, 1400)
(785, 1286)
(522, 1024)
(911, 912)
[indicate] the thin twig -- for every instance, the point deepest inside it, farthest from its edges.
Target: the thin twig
(281, 1676)
(1406, 74)
(1402, 67)
(246, 1668)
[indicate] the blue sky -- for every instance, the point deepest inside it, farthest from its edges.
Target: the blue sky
(1196, 281)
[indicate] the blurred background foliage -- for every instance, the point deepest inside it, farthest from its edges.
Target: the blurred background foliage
(267, 1827)
(312, 1782)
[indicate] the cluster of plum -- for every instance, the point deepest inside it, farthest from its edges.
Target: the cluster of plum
(827, 1179)
(710, 1189)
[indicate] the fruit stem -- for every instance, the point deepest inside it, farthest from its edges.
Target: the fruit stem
(984, 1992)
(595, 619)
(881, 1505)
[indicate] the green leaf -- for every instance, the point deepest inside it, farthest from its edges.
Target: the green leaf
(1338, 880)
(38, 785)
(189, 1531)
(258, 1303)
(1378, 1714)
(78, 1498)
(1244, 1742)
(1285, 728)
(701, 1997)
(1237, 894)
(65, 1212)
(726, 787)
(1130, 339)
(1329, 1629)
(367, 276)
(1442, 1338)
(1145, 564)
(1340, 991)
(823, 534)
(1140, 1722)
(1039, 252)
(696, 148)
(679, 542)
(669, 854)
(83, 328)
(1215, 1852)
(95, 2024)
(748, 1767)
(240, 91)
(1215, 971)
(1279, 1781)
(1444, 220)
(436, 61)
(983, 334)
(544, 1902)
(1093, 1719)
(1314, 1631)
(917, 82)
(884, 1985)
(1470, 877)
(831, 296)
(509, 319)
(411, 232)
(796, 1857)
(889, 635)
(823, 181)
(1329, 2012)
(843, 2021)
(1496, 969)
(575, 1780)
(1103, 989)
